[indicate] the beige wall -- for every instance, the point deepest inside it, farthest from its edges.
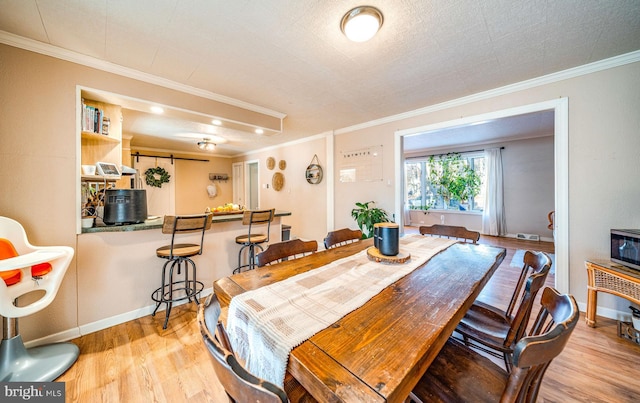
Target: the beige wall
(306, 202)
(38, 163)
(604, 148)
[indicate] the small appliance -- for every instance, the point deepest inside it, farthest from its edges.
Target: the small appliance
(125, 206)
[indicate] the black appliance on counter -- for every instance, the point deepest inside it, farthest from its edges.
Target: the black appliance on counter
(125, 206)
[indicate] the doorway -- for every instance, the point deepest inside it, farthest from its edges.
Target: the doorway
(561, 175)
(252, 181)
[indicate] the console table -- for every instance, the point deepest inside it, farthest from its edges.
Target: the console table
(612, 278)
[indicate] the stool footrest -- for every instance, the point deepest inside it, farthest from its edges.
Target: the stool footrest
(185, 289)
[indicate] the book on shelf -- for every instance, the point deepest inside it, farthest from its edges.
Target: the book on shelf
(93, 120)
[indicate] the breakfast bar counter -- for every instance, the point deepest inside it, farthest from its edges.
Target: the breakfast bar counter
(118, 269)
(155, 223)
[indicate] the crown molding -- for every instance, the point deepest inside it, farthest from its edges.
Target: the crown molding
(59, 53)
(574, 72)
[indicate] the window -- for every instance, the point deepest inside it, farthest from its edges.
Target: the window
(422, 194)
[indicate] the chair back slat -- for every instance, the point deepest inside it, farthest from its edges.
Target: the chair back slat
(286, 250)
(182, 224)
(451, 231)
(534, 263)
(532, 355)
(342, 237)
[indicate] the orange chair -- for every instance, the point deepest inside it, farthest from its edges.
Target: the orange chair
(25, 268)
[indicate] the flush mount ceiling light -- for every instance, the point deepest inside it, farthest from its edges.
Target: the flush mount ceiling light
(361, 23)
(206, 145)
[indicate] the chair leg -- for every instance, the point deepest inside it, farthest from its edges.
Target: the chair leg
(160, 298)
(37, 364)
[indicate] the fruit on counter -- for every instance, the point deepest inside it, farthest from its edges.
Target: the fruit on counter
(228, 207)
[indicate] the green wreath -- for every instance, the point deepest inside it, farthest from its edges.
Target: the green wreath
(153, 180)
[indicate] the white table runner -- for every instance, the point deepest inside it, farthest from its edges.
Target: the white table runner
(265, 324)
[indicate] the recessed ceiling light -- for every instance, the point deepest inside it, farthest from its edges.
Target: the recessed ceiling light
(216, 122)
(361, 23)
(156, 109)
(259, 131)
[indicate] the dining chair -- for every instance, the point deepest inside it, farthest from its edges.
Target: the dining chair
(178, 258)
(461, 374)
(239, 384)
(450, 231)
(259, 223)
(277, 252)
(495, 331)
(342, 237)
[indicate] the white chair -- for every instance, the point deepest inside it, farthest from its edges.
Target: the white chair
(38, 271)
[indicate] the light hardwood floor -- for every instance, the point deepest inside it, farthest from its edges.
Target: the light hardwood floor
(138, 361)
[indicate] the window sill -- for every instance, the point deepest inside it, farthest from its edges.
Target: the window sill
(452, 211)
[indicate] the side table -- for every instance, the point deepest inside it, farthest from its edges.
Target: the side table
(611, 278)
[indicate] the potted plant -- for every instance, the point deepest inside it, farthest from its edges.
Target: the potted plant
(366, 216)
(453, 179)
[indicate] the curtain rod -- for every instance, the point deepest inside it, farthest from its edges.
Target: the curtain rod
(171, 157)
(453, 152)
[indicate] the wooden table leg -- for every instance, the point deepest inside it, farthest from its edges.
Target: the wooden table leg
(592, 304)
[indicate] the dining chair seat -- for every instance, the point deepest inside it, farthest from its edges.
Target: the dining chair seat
(461, 374)
(496, 331)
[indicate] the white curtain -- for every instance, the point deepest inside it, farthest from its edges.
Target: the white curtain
(493, 222)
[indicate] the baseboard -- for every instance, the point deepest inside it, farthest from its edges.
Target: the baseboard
(542, 238)
(102, 324)
(608, 312)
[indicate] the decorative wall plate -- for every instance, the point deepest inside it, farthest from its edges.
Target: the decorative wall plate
(277, 181)
(271, 163)
(282, 164)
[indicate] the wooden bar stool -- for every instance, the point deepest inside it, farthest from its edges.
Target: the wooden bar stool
(179, 255)
(253, 239)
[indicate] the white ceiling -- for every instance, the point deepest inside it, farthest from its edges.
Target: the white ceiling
(290, 55)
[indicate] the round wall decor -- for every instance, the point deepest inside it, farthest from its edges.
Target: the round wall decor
(271, 163)
(277, 181)
(282, 164)
(314, 172)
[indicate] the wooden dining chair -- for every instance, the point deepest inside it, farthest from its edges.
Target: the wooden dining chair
(239, 384)
(341, 237)
(277, 252)
(496, 331)
(460, 374)
(451, 231)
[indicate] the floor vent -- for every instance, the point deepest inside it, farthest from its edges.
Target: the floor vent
(528, 237)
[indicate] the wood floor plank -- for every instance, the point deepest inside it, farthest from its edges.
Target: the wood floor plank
(138, 361)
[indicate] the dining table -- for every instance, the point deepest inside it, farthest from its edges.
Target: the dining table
(379, 351)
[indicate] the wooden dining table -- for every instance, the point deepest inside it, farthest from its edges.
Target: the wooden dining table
(378, 352)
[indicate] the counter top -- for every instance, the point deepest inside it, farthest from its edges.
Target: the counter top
(157, 223)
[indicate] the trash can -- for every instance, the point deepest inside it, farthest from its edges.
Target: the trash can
(286, 232)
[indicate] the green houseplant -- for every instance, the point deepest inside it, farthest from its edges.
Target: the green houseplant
(366, 215)
(453, 178)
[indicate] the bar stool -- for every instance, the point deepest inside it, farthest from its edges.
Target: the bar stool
(252, 240)
(177, 254)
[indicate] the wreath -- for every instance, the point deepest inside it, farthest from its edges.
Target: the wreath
(155, 181)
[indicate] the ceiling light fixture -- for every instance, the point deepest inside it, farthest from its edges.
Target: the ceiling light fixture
(216, 122)
(157, 110)
(259, 131)
(206, 145)
(361, 23)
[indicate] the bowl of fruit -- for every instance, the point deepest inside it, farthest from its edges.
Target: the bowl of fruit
(228, 208)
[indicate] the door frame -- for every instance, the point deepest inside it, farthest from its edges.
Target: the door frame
(560, 107)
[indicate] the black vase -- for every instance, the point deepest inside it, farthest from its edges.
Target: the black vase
(386, 238)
